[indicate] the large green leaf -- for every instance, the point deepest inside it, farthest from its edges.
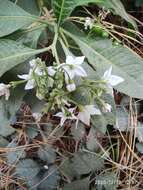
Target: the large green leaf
(27, 169)
(15, 155)
(12, 53)
(81, 163)
(102, 54)
(29, 6)
(63, 8)
(12, 17)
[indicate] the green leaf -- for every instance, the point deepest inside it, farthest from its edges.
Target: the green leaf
(3, 142)
(102, 54)
(27, 169)
(15, 155)
(139, 147)
(99, 123)
(45, 179)
(8, 109)
(68, 169)
(31, 132)
(50, 179)
(12, 17)
(81, 163)
(12, 53)
(5, 128)
(92, 142)
(28, 37)
(29, 6)
(78, 132)
(63, 8)
(107, 181)
(85, 162)
(47, 154)
(78, 185)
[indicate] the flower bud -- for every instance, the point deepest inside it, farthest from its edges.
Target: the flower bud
(71, 87)
(51, 71)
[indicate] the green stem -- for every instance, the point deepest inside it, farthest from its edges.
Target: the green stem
(54, 49)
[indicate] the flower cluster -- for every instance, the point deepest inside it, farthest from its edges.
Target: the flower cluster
(87, 111)
(55, 84)
(71, 68)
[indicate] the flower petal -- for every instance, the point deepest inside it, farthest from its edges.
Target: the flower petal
(107, 73)
(79, 60)
(79, 71)
(84, 117)
(30, 84)
(69, 73)
(63, 119)
(32, 63)
(70, 60)
(25, 76)
(59, 114)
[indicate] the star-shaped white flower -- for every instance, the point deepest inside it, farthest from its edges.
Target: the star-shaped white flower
(88, 23)
(4, 90)
(111, 80)
(65, 117)
(30, 80)
(86, 113)
(72, 67)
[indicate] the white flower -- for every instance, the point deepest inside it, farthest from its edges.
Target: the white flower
(4, 90)
(51, 71)
(71, 87)
(46, 167)
(32, 63)
(37, 116)
(86, 113)
(107, 108)
(73, 67)
(65, 117)
(88, 23)
(36, 68)
(30, 80)
(112, 80)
